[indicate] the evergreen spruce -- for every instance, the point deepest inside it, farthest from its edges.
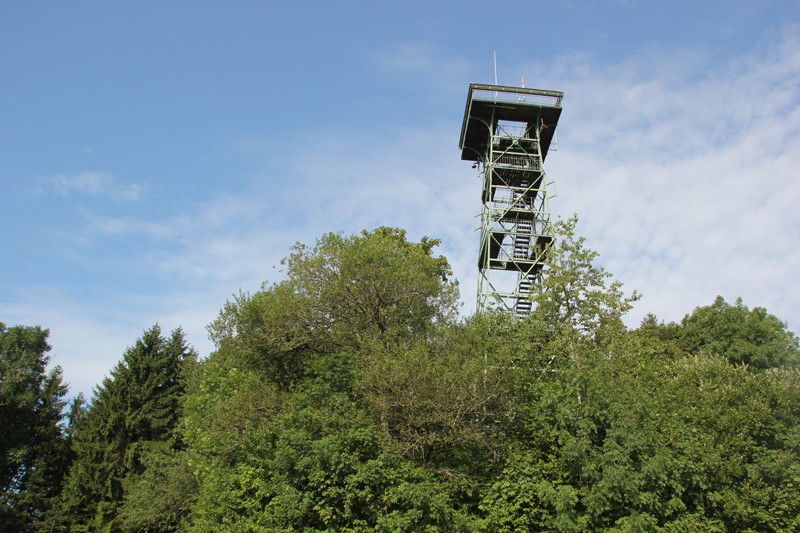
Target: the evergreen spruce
(134, 408)
(34, 449)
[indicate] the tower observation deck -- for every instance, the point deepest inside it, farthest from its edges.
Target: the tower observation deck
(507, 131)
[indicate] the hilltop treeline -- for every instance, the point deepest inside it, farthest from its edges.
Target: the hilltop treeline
(352, 397)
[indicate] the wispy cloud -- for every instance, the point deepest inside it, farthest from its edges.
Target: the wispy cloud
(90, 183)
(686, 181)
(412, 179)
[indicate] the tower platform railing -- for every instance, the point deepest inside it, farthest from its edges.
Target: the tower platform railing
(501, 93)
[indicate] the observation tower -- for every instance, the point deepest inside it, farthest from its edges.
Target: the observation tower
(507, 131)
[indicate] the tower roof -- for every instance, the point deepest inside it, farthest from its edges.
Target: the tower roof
(489, 103)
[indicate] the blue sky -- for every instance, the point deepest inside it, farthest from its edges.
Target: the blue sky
(156, 157)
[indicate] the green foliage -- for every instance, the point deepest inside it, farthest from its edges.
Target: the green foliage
(34, 449)
(135, 406)
(344, 293)
(637, 442)
(626, 431)
(754, 338)
(742, 336)
(564, 421)
(573, 297)
(298, 421)
(452, 388)
(222, 406)
(158, 499)
(302, 475)
(23, 360)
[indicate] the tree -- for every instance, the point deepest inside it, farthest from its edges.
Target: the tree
(451, 389)
(345, 293)
(693, 444)
(744, 337)
(349, 397)
(33, 446)
(573, 297)
(299, 421)
(134, 408)
(23, 359)
(755, 338)
(158, 499)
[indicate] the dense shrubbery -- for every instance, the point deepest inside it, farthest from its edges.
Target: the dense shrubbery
(351, 397)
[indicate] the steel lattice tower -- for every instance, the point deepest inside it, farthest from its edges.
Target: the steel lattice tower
(507, 131)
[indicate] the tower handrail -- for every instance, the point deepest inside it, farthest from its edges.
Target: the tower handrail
(503, 93)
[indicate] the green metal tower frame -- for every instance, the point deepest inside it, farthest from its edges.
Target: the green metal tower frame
(507, 131)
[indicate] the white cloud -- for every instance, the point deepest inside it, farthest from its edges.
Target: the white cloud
(90, 183)
(687, 184)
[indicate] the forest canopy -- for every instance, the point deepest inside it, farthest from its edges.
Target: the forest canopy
(352, 396)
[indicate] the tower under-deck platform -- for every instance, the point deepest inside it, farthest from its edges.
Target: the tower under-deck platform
(507, 131)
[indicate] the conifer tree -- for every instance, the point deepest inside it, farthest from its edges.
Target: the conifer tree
(33, 445)
(134, 408)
